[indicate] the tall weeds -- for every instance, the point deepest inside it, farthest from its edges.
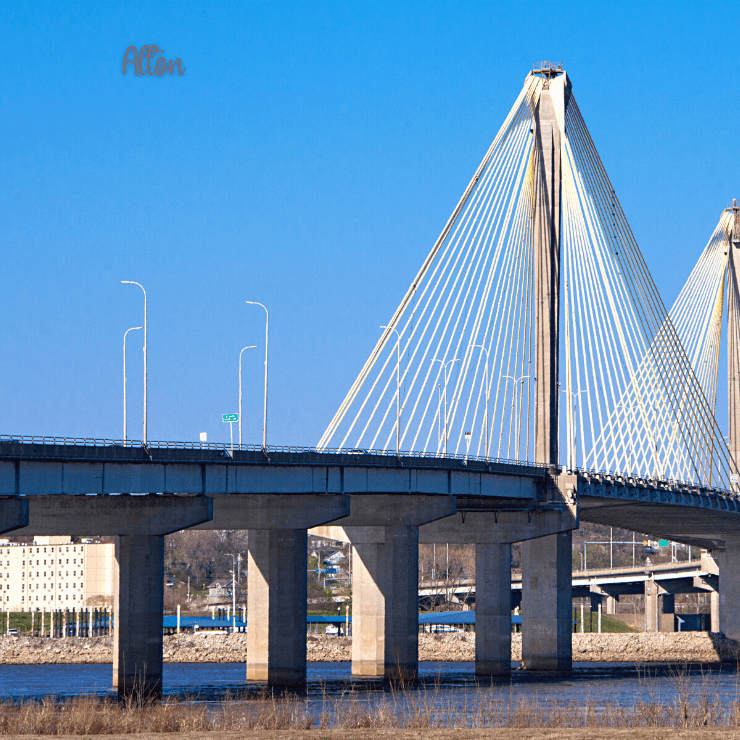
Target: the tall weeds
(689, 704)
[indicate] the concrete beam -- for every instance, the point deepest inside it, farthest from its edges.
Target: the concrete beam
(275, 511)
(505, 527)
(391, 510)
(13, 513)
(114, 515)
(218, 473)
(706, 583)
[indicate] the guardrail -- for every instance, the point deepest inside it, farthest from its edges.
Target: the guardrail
(625, 478)
(220, 447)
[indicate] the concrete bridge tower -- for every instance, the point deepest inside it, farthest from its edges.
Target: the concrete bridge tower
(546, 561)
(733, 340)
(729, 559)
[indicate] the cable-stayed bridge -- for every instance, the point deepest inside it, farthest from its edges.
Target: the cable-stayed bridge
(531, 375)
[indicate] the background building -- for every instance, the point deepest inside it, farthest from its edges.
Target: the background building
(55, 573)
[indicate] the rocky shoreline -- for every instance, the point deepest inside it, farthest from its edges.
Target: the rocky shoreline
(687, 647)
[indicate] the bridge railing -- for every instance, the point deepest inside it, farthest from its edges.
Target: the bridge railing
(221, 447)
(669, 484)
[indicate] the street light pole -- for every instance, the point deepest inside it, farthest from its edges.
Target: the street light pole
(444, 367)
(513, 403)
(488, 395)
(132, 282)
(572, 434)
(253, 346)
(398, 389)
(267, 337)
(133, 328)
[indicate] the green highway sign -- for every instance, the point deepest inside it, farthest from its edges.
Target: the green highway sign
(663, 543)
(230, 417)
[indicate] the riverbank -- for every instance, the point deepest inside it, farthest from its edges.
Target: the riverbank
(637, 647)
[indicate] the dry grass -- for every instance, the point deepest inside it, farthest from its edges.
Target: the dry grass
(693, 704)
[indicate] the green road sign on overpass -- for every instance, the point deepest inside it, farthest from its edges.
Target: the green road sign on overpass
(230, 417)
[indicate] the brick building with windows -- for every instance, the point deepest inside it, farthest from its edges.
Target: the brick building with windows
(55, 573)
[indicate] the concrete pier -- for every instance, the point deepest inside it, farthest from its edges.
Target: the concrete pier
(384, 532)
(547, 603)
(276, 574)
(139, 604)
(714, 611)
(493, 609)
(385, 622)
(493, 533)
(729, 588)
(139, 524)
(276, 606)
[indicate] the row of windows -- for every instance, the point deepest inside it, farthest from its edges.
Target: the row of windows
(51, 574)
(8, 551)
(30, 562)
(38, 586)
(51, 598)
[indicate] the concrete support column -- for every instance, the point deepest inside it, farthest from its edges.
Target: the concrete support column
(276, 603)
(139, 523)
(651, 606)
(384, 532)
(729, 589)
(276, 574)
(595, 601)
(714, 611)
(611, 605)
(667, 613)
(137, 642)
(492, 609)
(385, 608)
(547, 603)
(493, 534)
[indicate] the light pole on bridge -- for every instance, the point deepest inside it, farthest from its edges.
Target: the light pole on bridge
(133, 328)
(253, 346)
(132, 282)
(398, 388)
(267, 337)
(488, 396)
(444, 368)
(572, 437)
(513, 403)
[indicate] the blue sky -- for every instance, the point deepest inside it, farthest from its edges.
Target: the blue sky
(307, 159)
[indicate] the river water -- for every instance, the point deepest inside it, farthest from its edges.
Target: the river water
(621, 684)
